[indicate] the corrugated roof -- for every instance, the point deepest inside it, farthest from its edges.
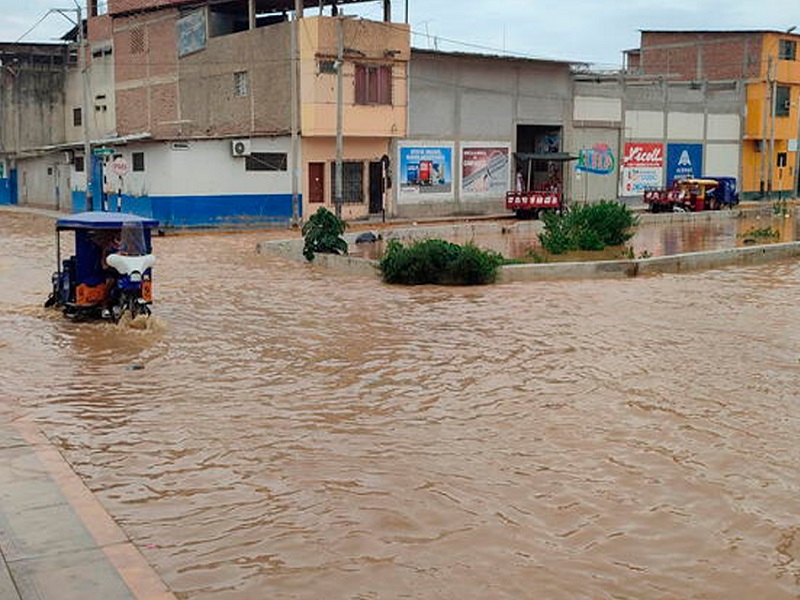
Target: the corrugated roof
(503, 57)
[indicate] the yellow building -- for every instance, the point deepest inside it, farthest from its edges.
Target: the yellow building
(770, 144)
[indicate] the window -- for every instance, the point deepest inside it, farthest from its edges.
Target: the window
(78, 164)
(266, 161)
(787, 50)
(138, 161)
(352, 182)
(327, 66)
(373, 84)
(241, 84)
(782, 100)
(77, 117)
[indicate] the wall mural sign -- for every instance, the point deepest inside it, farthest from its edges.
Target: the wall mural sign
(485, 169)
(192, 32)
(599, 159)
(642, 167)
(426, 170)
(684, 161)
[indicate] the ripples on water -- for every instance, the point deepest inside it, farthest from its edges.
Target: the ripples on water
(298, 434)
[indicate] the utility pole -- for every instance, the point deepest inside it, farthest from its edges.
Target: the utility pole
(766, 110)
(295, 166)
(83, 61)
(337, 198)
(83, 66)
(772, 94)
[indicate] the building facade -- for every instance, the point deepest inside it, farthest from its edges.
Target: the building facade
(471, 117)
(764, 64)
(206, 113)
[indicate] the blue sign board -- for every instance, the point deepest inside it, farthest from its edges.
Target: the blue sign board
(684, 160)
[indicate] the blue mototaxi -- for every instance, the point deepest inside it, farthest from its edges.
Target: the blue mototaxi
(110, 271)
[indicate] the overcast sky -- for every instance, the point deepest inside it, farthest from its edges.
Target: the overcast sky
(594, 31)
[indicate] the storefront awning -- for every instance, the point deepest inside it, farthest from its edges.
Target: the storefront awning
(549, 156)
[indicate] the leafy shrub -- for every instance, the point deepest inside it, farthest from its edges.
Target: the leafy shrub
(322, 233)
(588, 227)
(440, 262)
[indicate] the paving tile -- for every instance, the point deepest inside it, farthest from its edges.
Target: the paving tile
(8, 590)
(18, 463)
(21, 495)
(42, 531)
(84, 575)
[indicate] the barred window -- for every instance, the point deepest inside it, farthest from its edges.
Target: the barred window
(352, 182)
(241, 84)
(266, 161)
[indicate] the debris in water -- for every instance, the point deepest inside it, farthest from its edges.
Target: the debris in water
(134, 367)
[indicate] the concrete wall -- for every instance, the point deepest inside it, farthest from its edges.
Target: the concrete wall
(45, 182)
(457, 101)
(32, 102)
(655, 112)
(199, 183)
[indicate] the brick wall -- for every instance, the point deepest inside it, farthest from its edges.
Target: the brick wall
(146, 71)
(121, 7)
(688, 56)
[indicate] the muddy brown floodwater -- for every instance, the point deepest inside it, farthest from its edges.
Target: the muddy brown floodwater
(283, 432)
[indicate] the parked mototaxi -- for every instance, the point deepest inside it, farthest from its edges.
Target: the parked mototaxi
(694, 195)
(110, 271)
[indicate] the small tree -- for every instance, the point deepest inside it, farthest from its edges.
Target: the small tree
(588, 227)
(322, 233)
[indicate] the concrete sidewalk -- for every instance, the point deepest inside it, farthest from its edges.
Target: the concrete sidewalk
(56, 540)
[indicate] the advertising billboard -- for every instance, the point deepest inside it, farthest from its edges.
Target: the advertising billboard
(684, 161)
(485, 170)
(425, 170)
(642, 167)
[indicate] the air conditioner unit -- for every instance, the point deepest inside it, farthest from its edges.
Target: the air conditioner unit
(240, 147)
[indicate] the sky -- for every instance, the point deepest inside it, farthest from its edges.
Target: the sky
(591, 31)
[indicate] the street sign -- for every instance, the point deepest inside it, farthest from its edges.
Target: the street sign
(119, 166)
(103, 151)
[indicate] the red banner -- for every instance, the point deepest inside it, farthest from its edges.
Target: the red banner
(643, 155)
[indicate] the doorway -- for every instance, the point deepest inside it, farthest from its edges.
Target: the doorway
(376, 186)
(316, 182)
(536, 142)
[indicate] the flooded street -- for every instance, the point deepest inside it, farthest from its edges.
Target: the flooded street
(281, 431)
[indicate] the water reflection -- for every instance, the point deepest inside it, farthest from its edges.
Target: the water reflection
(294, 433)
(651, 238)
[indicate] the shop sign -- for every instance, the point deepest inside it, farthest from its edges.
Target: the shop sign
(599, 159)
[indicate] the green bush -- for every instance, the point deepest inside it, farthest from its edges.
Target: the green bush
(439, 262)
(588, 227)
(322, 233)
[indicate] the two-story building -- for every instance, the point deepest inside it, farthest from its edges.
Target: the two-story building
(202, 112)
